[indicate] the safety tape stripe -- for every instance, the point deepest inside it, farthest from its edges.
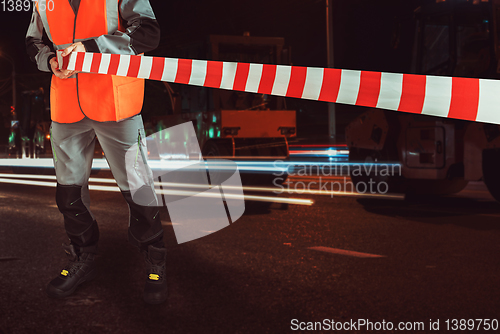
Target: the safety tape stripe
(95, 62)
(214, 74)
(123, 65)
(170, 70)
(71, 61)
(198, 73)
(78, 61)
(464, 99)
(228, 74)
(267, 79)
(349, 87)
(437, 96)
(369, 89)
(65, 61)
(254, 77)
(298, 76)
(459, 98)
(157, 67)
(184, 67)
(133, 67)
(413, 93)
(391, 87)
(282, 80)
(87, 62)
(114, 63)
(331, 85)
(489, 100)
(105, 60)
(145, 68)
(241, 76)
(313, 84)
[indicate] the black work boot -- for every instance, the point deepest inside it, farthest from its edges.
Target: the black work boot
(80, 268)
(155, 290)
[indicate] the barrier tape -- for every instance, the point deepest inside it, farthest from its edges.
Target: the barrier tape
(450, 97)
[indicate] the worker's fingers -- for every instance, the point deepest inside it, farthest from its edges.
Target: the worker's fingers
(54, 64)
(68, 50)
(68, 73)
(59, 74)
(75, 47)
(63, 74)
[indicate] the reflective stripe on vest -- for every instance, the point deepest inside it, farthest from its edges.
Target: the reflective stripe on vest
(99, 97)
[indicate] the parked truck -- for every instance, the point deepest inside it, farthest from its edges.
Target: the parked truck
(231, 124)
(438, 155)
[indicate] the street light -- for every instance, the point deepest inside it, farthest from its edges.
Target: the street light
(332, 131)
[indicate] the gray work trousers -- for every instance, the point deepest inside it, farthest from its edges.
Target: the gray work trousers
(73, 151)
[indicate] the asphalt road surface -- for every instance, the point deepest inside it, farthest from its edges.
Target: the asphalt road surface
(276, 270)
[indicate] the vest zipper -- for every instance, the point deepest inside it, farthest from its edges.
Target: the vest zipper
(76, 74)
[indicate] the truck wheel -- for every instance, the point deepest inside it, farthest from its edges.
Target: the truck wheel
(491, 166)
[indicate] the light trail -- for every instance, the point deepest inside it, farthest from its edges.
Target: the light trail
(7, 178)
(296, 201)
(28, 182)
(319, 145)
(13, 179)
(53, 184)
(46, 163)
(334, 152)
(331, 153)
(270, 166)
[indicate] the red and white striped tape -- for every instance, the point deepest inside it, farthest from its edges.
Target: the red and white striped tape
(459, 98)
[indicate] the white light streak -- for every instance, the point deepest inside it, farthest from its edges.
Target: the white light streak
(11, 180)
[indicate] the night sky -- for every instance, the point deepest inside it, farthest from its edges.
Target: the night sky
(364, 32)
(363, 28)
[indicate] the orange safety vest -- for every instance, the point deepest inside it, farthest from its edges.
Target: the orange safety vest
(100, 97)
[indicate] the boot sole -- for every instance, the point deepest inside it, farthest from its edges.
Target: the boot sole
(56, 293)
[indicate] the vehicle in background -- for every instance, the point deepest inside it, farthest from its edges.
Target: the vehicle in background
(231, 124)
(438, 155)
(30, 127)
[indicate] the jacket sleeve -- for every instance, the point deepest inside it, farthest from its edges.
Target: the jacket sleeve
(38, 51)
(141, 35)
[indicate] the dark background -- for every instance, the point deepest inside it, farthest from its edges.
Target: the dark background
(369, 35)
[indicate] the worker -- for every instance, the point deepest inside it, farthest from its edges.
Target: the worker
(85, 106)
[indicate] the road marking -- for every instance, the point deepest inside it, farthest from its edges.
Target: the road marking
(344, 252)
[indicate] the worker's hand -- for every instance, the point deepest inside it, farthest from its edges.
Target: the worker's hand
(61, 74)
(64, 74)
(75, 47)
